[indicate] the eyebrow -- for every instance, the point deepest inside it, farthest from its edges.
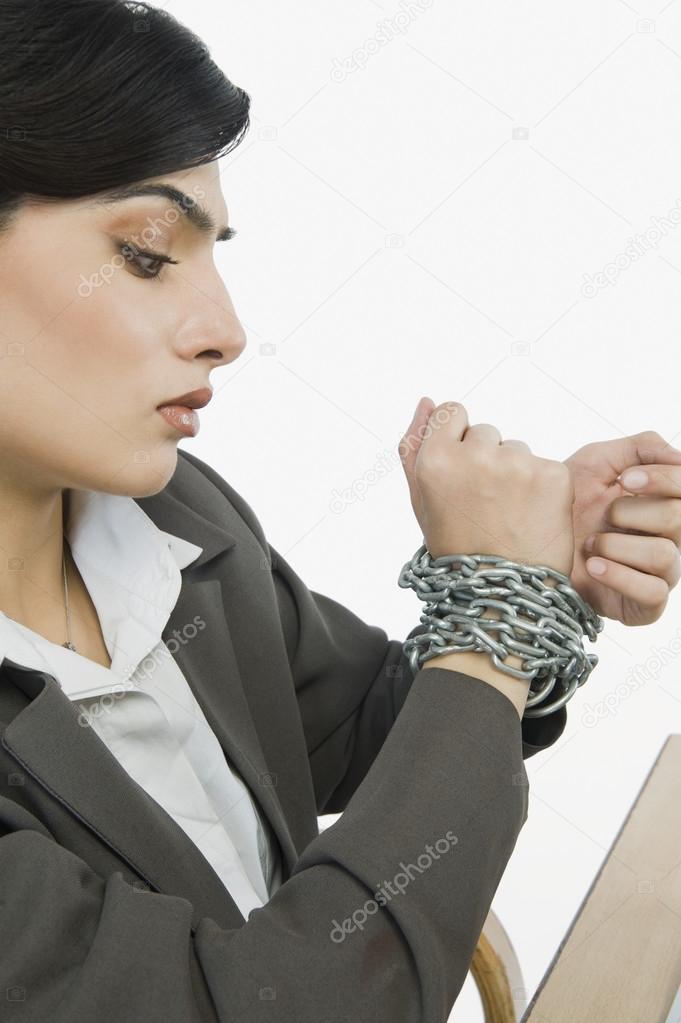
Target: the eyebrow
(195, 214)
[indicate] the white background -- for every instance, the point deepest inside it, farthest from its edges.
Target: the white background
(423, 225)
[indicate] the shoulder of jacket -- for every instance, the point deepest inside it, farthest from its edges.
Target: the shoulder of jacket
(187, 463)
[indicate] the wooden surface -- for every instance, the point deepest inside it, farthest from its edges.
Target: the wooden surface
(620, 961)
(497, 973)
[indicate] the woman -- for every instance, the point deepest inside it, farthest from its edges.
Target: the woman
(176, 706)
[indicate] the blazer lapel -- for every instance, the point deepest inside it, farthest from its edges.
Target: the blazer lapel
(232, 603)
(206, 657)
(208, 663)
(76, 767)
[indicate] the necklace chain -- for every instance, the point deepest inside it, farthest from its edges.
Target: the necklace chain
(68, 644)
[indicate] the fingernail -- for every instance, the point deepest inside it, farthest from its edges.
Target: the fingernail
(634, 479)
(589, 544)
(596, 566)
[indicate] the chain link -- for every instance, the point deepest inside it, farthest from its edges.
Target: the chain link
(541, 624)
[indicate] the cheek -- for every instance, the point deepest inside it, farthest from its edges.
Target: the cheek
(80, 393)
(100, 345)
(81, 375)
(69, 424)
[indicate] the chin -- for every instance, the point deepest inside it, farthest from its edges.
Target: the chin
(144, 479)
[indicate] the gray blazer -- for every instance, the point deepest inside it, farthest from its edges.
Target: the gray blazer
(110, 914)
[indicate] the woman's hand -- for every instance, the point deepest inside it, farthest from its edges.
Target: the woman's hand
(637, 531)
(474, 493)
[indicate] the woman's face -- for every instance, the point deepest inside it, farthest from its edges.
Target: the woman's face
(90, 345)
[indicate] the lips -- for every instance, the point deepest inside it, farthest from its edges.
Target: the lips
(182, 418)
(192, 399)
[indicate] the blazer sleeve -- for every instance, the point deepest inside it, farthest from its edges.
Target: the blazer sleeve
(351, 679)
(378, 921)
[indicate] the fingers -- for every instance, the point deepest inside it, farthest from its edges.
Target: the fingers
(482, 433)
(442, 424)
(653, 555)
(647, 449)
(662, 480)
(660, 516)
(517, 444)
(644, 591)
(486, 433)
(446, 425)
(412, 439)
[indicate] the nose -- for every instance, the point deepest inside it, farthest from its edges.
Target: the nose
(229, 348)
(219, 333)
(240, 341)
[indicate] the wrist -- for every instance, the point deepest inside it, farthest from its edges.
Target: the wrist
(480, 665)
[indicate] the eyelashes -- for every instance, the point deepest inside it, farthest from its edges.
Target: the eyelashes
(133, 255)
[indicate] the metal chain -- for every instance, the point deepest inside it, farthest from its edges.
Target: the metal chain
(547, 636)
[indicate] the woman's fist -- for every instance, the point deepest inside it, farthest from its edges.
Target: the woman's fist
(473, 493)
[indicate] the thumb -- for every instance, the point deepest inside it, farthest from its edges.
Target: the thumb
(411, 441)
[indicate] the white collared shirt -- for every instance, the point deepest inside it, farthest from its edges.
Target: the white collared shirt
(142, 707)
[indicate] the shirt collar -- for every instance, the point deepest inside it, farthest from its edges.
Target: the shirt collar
(131, 569)
(113, 532)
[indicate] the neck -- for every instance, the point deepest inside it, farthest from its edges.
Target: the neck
(32, 547)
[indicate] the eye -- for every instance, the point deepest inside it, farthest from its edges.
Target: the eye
(138, 256)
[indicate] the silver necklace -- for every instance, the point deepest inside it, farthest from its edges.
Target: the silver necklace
(68, 644)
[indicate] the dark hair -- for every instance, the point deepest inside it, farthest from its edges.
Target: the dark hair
(96, 94)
